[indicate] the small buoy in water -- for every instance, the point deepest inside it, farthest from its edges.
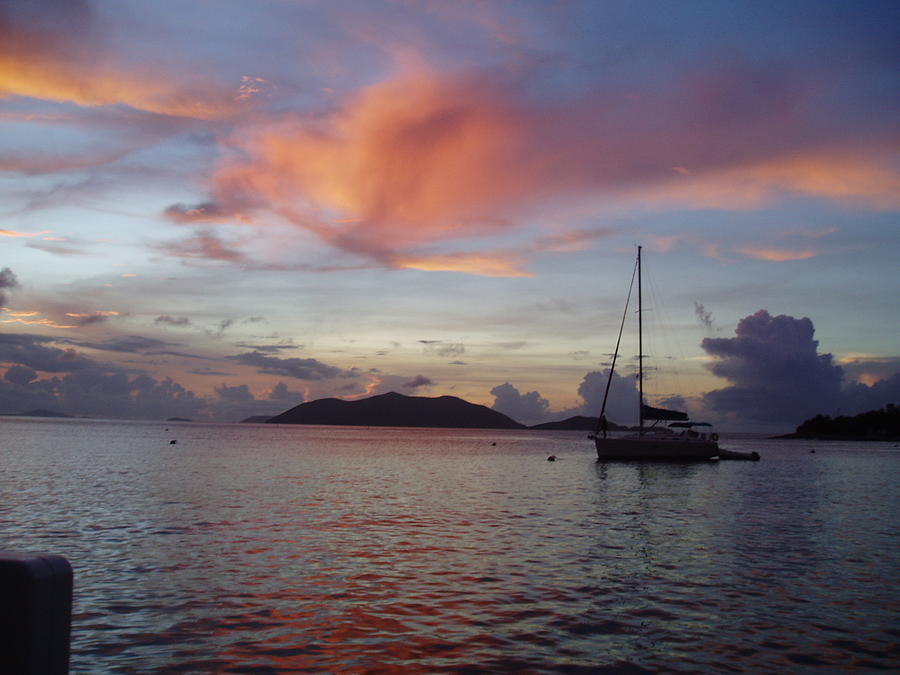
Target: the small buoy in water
(172, 442)
(813, 451)
(551, 458)
(494, 443)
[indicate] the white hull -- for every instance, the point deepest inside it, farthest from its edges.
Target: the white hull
(655, 448)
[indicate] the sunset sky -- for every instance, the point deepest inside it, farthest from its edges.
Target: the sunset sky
(215, 209)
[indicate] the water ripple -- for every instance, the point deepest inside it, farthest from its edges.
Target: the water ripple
(288, 550)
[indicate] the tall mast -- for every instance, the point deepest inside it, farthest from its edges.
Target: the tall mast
(640, 351)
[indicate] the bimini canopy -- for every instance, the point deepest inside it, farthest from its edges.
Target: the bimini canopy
(650, 413)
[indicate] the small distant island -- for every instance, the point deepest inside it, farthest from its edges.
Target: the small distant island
(875, 425)
(397, 410)
(178, 419)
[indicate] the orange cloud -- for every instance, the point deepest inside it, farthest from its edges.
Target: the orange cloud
(836, 176)
(13, 233)
(87, 315)
(482, 264)
(775, 254)
(58, 57)
(38, 322)
(833, 176)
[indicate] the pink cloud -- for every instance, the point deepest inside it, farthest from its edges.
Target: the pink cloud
(425, 157)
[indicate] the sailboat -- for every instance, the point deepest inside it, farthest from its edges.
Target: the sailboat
(691, 441)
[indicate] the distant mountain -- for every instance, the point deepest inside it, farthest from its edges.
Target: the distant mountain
(397, 410)
(875, 425)
(256, 419)
(178, 419)
(41, 412)
(577, 423)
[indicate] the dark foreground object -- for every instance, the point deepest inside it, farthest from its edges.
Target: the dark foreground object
(35, 613)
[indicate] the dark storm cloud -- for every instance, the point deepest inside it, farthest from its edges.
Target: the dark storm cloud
(418, 381)
(859, 397)
(778, 376)
(7, 281)
(302, 369)
(129, 343)
(20, 375)
(83, 386)
(30, 350)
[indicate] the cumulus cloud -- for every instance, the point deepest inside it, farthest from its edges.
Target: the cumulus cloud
(778, 376)
(281, 393)
(528, 408)
(40, 375)
(7, 281)
(239, 393)
(32, 351)
(302, 369)
(622, 404)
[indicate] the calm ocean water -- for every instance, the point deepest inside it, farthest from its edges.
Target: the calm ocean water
(275, 549)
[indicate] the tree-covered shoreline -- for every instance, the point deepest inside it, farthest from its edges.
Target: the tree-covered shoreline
(874, 425)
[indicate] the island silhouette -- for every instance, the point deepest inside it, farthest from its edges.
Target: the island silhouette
(397, 410)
